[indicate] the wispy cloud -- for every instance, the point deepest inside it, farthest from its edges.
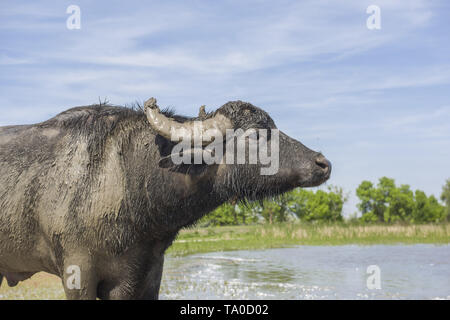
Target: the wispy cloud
(432, 124)
(6, 60)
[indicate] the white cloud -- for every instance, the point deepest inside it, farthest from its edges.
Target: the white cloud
(8, 61)
(429, 125)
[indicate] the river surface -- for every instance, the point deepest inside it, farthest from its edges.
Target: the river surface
(312, 272)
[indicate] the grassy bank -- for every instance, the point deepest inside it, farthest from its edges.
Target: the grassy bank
(281, 235)
(197, 240)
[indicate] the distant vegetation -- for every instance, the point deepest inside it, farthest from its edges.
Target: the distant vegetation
(388, 203)
(264, 236)
(381, 203)
(445, 197)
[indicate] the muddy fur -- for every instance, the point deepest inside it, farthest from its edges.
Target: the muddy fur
(85, 188)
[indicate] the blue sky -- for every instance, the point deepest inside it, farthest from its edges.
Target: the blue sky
(375, 102)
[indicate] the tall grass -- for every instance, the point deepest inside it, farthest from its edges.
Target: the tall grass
(280, 235)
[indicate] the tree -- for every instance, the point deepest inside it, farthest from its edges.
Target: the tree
(400, 204)
(276, 209)
(230, 213)
(383, 195)
(223, 215)
(428, 209)
(374, 199)
(388, 203)
(320, 205)
(445, 197)
(246, 213)
(365, 193)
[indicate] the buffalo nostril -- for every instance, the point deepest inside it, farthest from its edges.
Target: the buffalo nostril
(324, 164)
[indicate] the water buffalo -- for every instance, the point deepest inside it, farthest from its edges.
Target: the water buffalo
(87, 193)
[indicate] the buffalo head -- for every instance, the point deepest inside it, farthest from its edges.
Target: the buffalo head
(251, 158)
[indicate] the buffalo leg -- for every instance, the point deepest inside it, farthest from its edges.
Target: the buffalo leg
(79, 279)
(151, 291)
(1, 280)
(135, 283)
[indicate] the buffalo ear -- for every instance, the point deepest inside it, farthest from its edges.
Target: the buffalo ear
(167, 162)
(191, 169)
(165, 148)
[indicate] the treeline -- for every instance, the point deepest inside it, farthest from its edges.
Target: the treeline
(383, 203)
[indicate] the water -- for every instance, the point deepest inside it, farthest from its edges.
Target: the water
(311, 272)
